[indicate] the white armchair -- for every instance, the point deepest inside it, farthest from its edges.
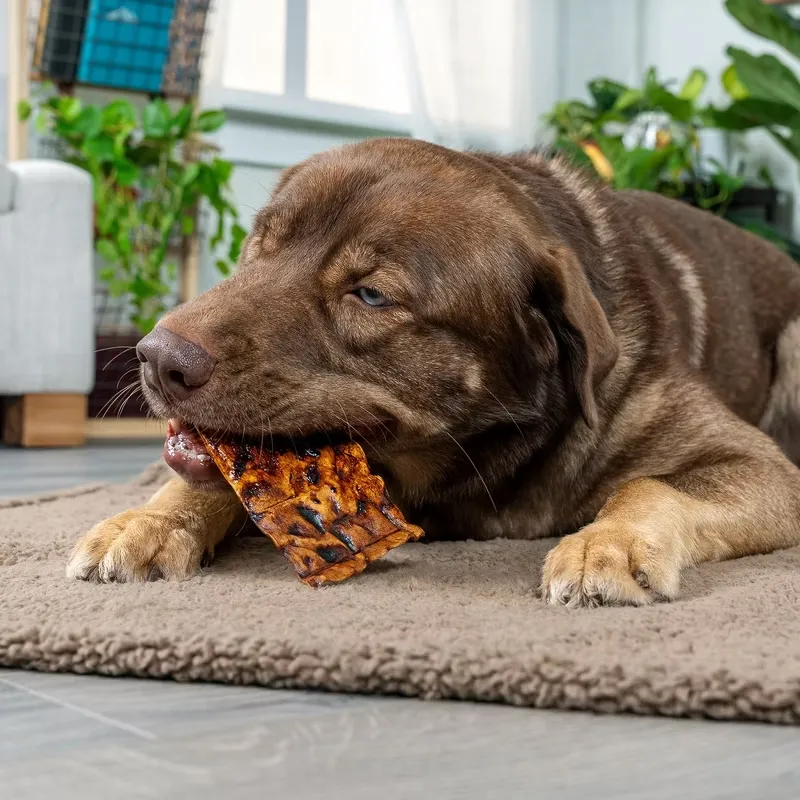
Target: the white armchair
(46, 301)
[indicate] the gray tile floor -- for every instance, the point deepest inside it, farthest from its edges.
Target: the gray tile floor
(30, 471)
(69, 736)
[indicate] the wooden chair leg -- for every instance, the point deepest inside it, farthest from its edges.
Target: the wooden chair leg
(45, 420)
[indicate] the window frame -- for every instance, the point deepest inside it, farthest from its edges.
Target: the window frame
(293, 108)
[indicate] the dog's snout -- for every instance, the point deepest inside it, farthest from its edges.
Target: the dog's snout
(173, 366)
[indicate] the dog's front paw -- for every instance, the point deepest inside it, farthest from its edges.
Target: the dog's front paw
(606, 564)
(138, 545)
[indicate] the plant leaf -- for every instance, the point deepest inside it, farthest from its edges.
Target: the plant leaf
(24, 110)
(123, 243)
(677, 107)
(732, 85)
(209, 121)
(68, 107)
(182, 119)
(156, 119)
(119, 113)
(189, 174)
(89, 122)
(100, 147)
(605, 92)
(752, 112)
(693, 86)
(223, 267)
(107, 249)
(628, 98)
(222, 169)
(769, 22)
(766, 77)
(127, 172)
(187, 225)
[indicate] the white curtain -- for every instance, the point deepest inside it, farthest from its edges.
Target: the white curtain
(482, 72)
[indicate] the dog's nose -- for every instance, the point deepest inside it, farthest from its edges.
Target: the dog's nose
(173, 366)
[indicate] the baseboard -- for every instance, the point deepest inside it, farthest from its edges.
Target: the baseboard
(130, 428)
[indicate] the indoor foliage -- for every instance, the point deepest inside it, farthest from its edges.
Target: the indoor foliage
(151, 171)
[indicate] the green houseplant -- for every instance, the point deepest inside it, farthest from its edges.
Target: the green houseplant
(644, 138)
(151, 170)
(764, 90)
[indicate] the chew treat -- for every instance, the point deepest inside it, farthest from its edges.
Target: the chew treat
(322, 507)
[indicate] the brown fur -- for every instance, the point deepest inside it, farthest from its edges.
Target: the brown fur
(559, 358)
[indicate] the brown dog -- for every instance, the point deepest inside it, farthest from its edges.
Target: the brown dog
(525, 353)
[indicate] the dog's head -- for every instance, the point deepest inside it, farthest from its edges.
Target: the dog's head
(395, 291)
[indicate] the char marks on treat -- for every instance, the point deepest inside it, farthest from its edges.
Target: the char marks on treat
(321, 506)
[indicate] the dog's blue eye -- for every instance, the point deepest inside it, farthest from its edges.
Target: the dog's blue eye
(372, 297)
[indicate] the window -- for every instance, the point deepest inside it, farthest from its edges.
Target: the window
(353, 55)
(336, 61)
(255, 46)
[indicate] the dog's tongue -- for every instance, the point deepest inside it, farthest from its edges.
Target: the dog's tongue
(186, 454)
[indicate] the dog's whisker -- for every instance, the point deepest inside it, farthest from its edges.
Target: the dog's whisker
(114, 358)
(510, 415)
(477, 471)
(346, 421)
(125, 374)
(387, 431)
(366, 442)
(107, 406)
(126, 400)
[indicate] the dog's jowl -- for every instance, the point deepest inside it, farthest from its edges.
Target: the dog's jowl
(522, 353)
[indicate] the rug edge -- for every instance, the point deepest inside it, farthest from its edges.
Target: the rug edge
(536, 683)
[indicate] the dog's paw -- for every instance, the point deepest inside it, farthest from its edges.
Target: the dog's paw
(605, 564)
(138, 545)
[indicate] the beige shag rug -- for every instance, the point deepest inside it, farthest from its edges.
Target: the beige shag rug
(447, 620)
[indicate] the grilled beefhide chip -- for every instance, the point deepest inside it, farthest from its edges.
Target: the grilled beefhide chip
(322, 507)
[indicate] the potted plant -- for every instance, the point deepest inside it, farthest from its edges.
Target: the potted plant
(650, 138)
(152, 172)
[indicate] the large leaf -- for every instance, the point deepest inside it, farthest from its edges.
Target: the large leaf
(89, 122)
(751, 112)
(732, 85)
(767, 21)
(209, 121)
(127, 172)
(156, 119)
(100, 147)
(693, 86)
(628, 99)
(222, 169)
(677, 107)
(181, 120)
(107, 250)
(119, 114)
(641, 169)
(605, 92)
(766, 77)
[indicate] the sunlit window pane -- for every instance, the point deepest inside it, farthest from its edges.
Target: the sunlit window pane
(255, 52)
(354, 56)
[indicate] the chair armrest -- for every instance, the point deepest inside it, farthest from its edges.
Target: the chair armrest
(47, 275)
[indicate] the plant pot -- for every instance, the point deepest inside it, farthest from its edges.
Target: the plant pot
(757, 201)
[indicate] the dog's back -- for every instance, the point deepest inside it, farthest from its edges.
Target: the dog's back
(738, 293)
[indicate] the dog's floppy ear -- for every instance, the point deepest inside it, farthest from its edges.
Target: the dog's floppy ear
(580, 326)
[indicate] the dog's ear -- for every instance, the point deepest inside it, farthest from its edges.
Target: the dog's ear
(580, 326)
